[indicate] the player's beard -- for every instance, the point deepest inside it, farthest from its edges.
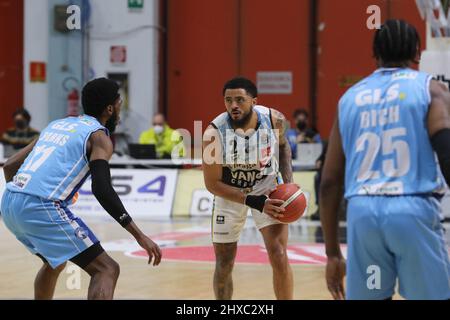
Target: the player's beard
(243, 121)
(111, 124)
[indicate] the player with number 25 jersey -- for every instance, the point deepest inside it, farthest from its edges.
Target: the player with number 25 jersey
(390, 126)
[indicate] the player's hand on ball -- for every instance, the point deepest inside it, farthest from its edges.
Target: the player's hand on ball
(272, 206)
(152, 249)
(335, 273)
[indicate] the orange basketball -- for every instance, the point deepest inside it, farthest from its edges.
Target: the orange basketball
(294, 201)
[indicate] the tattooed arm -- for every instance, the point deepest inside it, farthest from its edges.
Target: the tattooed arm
(280, 123)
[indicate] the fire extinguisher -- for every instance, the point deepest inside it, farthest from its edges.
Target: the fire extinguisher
(73, 102)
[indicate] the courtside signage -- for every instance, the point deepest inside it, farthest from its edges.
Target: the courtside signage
(144, 193)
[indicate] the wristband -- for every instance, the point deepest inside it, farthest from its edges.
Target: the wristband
(256, 202)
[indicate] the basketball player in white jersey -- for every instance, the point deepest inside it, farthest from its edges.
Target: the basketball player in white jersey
(241, 166)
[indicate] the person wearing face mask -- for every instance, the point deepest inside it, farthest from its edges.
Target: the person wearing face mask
(301, 133)
(21, 134)
(44, 177)
(162, 136)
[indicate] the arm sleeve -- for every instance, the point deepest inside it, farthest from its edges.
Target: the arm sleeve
(105, 193)
(256, 202)
(441, 145)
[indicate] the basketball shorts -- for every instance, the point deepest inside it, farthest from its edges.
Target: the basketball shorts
(396, 238)
(44, 227)
(228, 218)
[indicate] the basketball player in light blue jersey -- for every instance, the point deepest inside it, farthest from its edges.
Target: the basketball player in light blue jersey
(383, 146)
(43, 178)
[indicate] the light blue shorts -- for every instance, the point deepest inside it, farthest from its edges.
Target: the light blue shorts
(46, 227)
(392, 238)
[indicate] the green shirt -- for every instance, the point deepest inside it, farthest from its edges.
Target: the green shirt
(163, 142)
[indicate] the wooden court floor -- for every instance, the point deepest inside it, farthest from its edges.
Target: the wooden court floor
(187, 268)
(175, 278)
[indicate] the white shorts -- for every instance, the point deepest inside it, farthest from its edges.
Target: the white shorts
(228, 217)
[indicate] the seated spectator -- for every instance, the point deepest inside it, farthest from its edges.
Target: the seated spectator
(161, 136)
(317, 179)
(301, 133)
(21, 134)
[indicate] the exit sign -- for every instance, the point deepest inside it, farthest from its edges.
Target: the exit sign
(135, 4)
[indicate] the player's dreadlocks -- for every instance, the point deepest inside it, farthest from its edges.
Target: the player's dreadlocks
(396, 43)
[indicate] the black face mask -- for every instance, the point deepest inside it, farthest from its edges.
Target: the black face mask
(111, 123)
(21, 124)
(301, 125)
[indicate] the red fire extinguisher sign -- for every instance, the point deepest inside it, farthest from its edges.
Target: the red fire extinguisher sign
(73, 102)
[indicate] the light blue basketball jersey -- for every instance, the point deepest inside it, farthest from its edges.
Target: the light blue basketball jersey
(58, 164)
(383, 125)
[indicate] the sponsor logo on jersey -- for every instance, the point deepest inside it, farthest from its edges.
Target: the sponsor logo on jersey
(64, 126)
(81, 233)
(86, 121)
(374, 96)
(404, 75)
(21, 180)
